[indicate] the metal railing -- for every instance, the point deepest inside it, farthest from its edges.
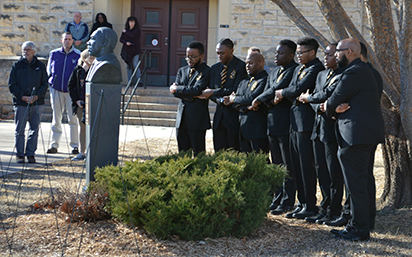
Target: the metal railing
(147, 57)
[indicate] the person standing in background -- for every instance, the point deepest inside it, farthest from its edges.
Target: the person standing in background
(79, 31)
(77, 90)
(100, 21)
(130, 39)
(28, 85)
(59, 68)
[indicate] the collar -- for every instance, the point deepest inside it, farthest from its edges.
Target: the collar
(259, 75)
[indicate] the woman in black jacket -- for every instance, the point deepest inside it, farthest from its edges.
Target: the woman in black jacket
(131, 46)
(100, 21)
(77, 90)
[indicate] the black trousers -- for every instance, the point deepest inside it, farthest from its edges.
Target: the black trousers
(190, 139)
(356, 166)
(304, 166)
(225, 138)
(322, 173)
(336, 178)
(280, 154)
(257, 145)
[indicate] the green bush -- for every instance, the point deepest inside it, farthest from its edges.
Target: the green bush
(225, 194)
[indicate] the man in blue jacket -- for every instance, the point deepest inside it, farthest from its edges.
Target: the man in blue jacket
(59, 68)
(28, 85)
(79, 31)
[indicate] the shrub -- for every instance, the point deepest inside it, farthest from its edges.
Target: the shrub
(225, 194)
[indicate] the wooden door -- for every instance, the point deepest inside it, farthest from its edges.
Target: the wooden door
(188, 22)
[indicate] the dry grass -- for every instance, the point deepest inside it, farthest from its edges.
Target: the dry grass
(27, 233)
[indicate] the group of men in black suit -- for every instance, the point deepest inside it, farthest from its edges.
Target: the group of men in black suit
(321, 124)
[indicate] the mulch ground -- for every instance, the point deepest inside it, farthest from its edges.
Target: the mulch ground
(24, 232)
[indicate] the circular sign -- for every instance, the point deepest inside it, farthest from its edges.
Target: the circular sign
(155, 42)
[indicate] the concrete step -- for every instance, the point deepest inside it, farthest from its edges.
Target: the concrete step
(145, 121)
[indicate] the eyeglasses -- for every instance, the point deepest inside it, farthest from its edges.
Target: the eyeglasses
(300, 53)
(342, 49)
(191, 57)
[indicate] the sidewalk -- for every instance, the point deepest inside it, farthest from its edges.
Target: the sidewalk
(7, 152)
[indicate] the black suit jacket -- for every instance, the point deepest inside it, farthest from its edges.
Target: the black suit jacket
(253, 124)
(279, 114)
(236, 72)
(302, 115)
(196, 110)
(324, 126)
(363, 122)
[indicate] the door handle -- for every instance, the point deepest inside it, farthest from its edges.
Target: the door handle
(165, 41)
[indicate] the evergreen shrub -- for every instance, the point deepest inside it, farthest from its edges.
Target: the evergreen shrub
(224, 194)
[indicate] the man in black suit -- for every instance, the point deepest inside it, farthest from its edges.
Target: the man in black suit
(359, 129)
(225, 76)
(345, 216)
(192, 119)
(278, 122)
(302, 119)
(253, 124)
(325, 145)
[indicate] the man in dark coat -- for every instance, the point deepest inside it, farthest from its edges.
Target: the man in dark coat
(192, 119)
(28, 85)
(279, 123)
(225, 77)
(302, 119)
(359, 129)
(325, 145)
(253, 123)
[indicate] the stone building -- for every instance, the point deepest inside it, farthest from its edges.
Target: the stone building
(166, 25)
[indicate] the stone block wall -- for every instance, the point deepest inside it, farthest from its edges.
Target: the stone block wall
(262, 23)
(40, 21)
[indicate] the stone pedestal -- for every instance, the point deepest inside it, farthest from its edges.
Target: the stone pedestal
(102, 125)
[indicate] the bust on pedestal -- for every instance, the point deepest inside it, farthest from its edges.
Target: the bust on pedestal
(103, 95)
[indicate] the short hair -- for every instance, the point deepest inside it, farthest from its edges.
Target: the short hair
(309, 42)
(28, 44)
(83, 56)
(197, 45)
(227, 42)
(131, 18)
(363, 50)
(254, 49)
(66, 33)
(289, 44)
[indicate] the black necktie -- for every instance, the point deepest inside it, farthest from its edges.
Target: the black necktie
(223, 74)
(300, 70)
(330, 74)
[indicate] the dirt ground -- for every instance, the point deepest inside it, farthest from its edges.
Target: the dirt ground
(24, 232)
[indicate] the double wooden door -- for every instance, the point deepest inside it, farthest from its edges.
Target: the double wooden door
(167, 26)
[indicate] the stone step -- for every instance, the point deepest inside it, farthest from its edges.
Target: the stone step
(145, 121)
(164, 107)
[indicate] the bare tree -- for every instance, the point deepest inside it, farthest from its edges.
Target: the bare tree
(391, 56)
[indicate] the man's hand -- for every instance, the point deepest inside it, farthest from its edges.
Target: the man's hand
(322, 107)
(173, 88)
(254, 106)
(78, 42)
(79, 103)
(343, 107)
(303, 98)
(30, 99)
(207, 93)
(278, 94)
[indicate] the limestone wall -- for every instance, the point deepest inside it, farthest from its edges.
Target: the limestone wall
(262, 23)
(41, 21)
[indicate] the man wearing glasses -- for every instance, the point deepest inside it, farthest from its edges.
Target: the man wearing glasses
(192, 119)
(302, 119)
(225, 77)
(359, 129)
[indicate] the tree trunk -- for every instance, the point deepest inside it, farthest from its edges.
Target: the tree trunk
(397, 160)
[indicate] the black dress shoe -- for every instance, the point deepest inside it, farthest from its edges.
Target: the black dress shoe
(280, 210)
(341, 221)
(349, 235)
(327, 218)
(315, 218)
(304, 213)
(290, 214)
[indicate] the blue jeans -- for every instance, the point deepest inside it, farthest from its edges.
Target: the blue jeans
(130, 70)
(22, 115)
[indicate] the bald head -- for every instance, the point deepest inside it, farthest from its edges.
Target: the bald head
(347, 51)
(255, 63)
